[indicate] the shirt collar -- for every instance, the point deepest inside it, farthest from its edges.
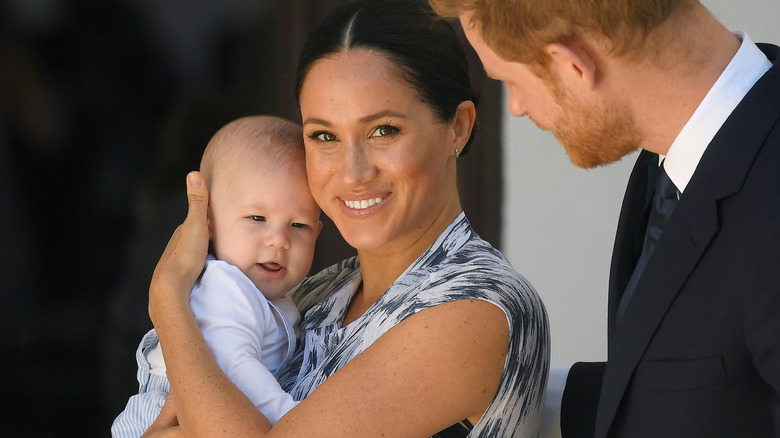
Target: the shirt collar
(744, 70)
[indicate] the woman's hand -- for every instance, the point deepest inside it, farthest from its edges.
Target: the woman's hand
(185, 255)
(166, 425)
(206, 400)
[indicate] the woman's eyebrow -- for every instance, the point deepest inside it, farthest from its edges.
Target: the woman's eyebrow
(316, 121)
(382, 115)
(366, 119)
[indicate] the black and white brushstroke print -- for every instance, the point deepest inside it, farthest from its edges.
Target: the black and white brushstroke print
(459, 265)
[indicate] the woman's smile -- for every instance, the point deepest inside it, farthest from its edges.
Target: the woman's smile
(362, 152)
(363, 204)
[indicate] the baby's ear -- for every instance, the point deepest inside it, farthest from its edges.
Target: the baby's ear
(209, 223)
(319, 228)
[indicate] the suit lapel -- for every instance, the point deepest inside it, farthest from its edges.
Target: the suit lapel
(631, 229)
(682, 244)
(721, 172)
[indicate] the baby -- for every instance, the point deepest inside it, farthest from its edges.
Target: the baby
(263, 224)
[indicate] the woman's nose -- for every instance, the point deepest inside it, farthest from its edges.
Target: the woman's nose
(358, 167)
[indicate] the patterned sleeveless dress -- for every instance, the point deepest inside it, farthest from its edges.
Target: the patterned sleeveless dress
(459, 265)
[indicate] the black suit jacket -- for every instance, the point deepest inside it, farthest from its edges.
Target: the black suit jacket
(697, 353)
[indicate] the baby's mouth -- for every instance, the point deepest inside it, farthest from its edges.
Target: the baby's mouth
(271, 266)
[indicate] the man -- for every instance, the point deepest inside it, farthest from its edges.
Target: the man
(694, 290)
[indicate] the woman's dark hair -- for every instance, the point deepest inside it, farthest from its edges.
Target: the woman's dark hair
(425, 49)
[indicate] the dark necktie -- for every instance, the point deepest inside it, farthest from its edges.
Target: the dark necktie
(661, 209)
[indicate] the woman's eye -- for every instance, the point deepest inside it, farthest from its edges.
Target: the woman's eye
(322, 136)
(384, 130)
(257, 218)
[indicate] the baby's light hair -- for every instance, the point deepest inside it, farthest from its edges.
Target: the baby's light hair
(273, 140)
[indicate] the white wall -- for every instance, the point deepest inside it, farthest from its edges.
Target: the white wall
(559, 220)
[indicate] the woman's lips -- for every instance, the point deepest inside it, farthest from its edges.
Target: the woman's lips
(363, 207)
(362, 204)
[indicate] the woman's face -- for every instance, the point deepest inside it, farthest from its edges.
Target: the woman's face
(380, 164)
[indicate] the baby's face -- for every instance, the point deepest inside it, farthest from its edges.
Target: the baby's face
(265, 222)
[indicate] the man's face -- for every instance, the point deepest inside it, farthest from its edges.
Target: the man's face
(594, 131)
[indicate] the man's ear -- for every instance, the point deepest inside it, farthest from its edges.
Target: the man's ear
(574, 64)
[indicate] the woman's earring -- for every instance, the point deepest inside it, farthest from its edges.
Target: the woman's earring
(457, 153)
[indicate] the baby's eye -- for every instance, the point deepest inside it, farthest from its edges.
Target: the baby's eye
(257, 218)
(299, 225)
(324, 136)
(385, 130)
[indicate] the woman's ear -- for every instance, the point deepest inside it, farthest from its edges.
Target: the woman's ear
(463, 123)
(574, 64)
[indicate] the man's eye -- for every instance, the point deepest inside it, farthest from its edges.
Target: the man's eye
(258, 218)
(384, 130)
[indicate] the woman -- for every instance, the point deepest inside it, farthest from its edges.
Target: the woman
(429, 330)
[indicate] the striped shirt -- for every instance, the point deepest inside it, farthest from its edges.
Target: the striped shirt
(459, 265)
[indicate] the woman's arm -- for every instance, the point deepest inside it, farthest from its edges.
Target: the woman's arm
(430, 371)
(427, 373)
(203, 392)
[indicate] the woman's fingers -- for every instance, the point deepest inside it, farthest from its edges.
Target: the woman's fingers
(198, 199)
(167, 415)
(192, 237)
(166, 424)
(185, 254)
